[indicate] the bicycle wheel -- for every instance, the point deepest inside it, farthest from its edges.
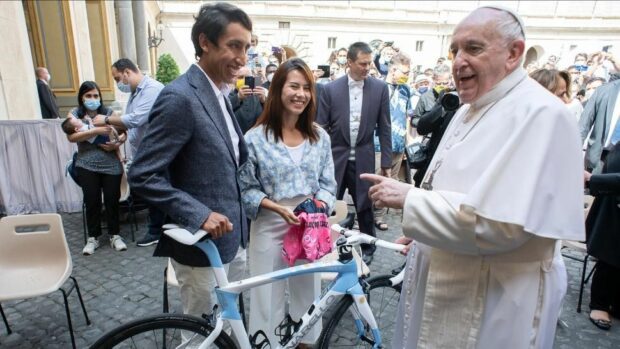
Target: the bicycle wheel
(162, 331)
(341, 332)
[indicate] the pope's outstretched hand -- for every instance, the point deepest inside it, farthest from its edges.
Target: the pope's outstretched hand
(386, 192)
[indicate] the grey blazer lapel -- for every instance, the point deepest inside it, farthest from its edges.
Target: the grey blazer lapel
(205, 94)
(609, 113)
(343, 88)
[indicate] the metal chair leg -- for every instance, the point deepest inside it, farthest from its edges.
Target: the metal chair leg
(77, 288)
(64, 296)
(581, 286)
(6, 322)
(165, 295)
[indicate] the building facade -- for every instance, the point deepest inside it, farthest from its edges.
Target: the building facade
(76, 41)
(422, 29)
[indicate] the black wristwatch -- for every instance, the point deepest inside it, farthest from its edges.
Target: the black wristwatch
(107, 120)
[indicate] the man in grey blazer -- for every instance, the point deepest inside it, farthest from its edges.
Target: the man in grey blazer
(187, 162)
(602, 116)
(350, 109)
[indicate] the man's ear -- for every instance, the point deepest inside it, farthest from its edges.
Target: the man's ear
(203, 42)
(516, 50)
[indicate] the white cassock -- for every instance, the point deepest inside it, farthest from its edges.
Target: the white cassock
(507, 183)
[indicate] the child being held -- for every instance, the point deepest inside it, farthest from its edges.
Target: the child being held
(73, 125)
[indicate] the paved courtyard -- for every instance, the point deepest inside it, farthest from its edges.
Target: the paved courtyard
(121, 286)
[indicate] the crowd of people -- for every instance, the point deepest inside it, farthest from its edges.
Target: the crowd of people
(500, 184)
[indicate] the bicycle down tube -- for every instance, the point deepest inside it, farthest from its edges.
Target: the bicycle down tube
(346, 282)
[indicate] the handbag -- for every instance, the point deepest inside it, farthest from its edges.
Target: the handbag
(71, 170)
(417, 154)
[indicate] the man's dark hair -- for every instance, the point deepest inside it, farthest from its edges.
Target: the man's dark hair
(356, 48)
(271, 65)
(595, 79)
(212, 20)
(125, 63)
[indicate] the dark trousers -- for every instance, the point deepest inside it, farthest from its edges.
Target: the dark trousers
(365, 218)
(605, 291)
(93, 184)
(156, 220)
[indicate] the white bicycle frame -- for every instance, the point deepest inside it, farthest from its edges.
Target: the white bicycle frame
(346, 282)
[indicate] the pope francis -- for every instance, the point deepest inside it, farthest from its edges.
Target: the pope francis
(505, 184)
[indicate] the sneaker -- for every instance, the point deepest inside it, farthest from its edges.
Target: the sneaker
(117, 243)
(147, 240)
(91, 245)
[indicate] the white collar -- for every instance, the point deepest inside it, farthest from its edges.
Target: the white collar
(500, 89)
(223, 90)
(353, 82)
(44, 81)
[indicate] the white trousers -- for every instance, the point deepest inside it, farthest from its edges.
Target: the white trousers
(267, 303)
(197, 288)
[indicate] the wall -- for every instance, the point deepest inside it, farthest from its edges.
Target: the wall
(18, 91)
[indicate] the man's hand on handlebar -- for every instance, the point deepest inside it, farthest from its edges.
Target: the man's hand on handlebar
(217, 225)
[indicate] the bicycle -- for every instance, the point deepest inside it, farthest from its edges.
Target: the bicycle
(344, 291)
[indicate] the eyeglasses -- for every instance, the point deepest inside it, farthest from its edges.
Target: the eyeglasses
(442, 83)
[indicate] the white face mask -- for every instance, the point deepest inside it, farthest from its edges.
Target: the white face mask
(49, 77)
(270, 77)
(589, 94)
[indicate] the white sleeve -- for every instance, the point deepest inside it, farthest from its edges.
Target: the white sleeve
(435, 219)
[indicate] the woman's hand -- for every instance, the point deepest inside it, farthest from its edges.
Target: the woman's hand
(288, 215)
(109, 146)
(102, 130)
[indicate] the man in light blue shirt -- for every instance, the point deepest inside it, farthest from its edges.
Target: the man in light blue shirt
(144, 91)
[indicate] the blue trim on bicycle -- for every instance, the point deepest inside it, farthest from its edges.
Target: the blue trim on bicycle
(209, 248)
(377, 336)
(228, 302)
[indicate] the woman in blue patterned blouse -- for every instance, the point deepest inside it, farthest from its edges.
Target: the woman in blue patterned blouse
(289, 160)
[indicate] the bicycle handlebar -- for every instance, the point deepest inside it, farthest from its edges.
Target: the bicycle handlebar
(357, 237)
(353, 237)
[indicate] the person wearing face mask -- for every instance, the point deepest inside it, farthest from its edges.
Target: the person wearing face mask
(270, 70)
(289, 160)
(47, 99)
(421, 85)
(400, 111)
(341, 60)
(99, 168)
(591, 87)
(144, 91)
(441, 81)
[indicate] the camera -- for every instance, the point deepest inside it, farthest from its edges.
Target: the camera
(450, 101)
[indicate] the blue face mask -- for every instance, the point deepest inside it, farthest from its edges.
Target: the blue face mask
(92, 104)
(123, 87)
(423, 90)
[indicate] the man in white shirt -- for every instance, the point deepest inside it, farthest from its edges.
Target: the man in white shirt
(504, 185)
(187, 162)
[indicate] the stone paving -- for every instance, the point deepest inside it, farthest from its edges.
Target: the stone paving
(121, 286)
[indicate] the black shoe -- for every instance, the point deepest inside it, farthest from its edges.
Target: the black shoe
(396, 271)
(147, 240)
(602, 324)
(367, 258)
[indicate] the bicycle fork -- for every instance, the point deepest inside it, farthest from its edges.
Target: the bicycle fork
(361, 311)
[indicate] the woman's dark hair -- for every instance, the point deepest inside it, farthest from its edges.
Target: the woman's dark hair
(212, 20)
(85, 87)
(271, 116)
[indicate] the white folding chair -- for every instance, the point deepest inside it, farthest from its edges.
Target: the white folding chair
(35, 260)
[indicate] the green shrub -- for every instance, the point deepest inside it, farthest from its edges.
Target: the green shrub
(167, 69)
